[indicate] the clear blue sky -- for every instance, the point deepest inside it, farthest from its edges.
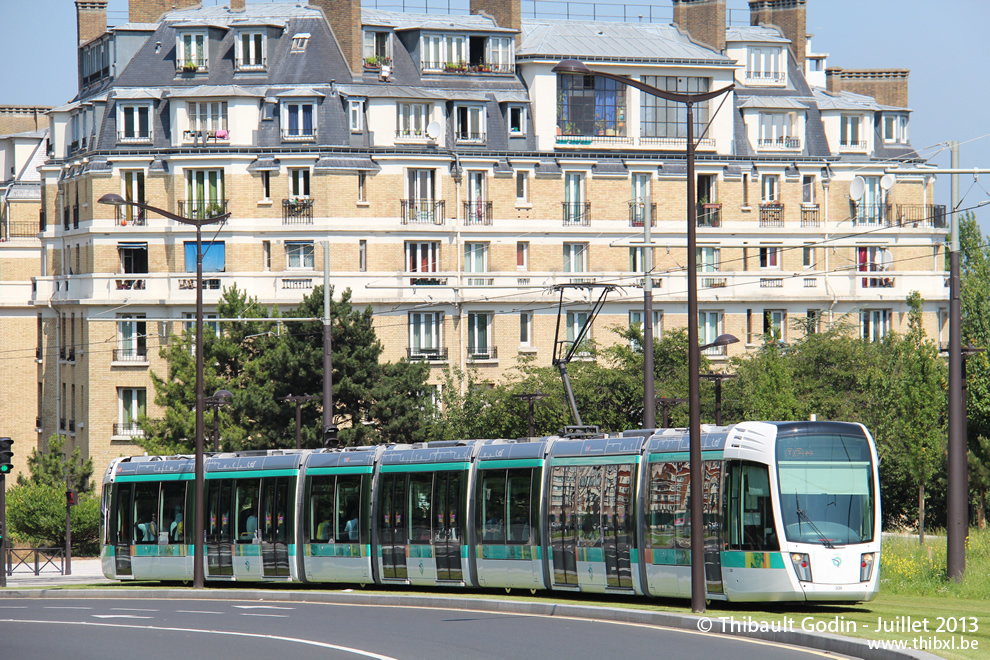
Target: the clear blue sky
(942, 43)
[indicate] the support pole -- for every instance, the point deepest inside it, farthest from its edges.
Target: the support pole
(649, 389)
(68, 528)
(958, 514)
(327, 344)
(199, 490)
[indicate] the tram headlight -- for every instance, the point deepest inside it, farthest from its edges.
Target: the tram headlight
(866, 566)
(802, 566)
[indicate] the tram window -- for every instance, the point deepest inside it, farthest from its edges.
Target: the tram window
(520, 486)
(173, 510)
(749, 519)
(246, 505)
(348, 508)
(321, 509)
(146, 513)
(668, 502)
(588, 500)
(124, 514)
(420, 496)
(493, 506)
(107, 514)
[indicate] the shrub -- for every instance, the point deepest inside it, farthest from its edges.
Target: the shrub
(36, 517)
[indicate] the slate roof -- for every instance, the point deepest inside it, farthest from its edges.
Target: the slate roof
(431, 22)
(755, 34)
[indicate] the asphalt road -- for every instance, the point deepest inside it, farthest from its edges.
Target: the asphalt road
(102, 628)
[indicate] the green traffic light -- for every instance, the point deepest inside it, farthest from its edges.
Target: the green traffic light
(5, 468)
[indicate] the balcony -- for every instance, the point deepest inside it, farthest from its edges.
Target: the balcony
(299, 134)
(709, 215)
(766, 77)
(477, 213)
(200, 210)
(131, 284)
(297, 211)
(465, 67)
(810, 217)
(421, 211)
(779, 144)
(427, 354)
(127, 429)
(129, 215)
(469, 137)
(17, 229)
(189, 283)
(859, 145)
(878, 282)
(135, 354)
(482, 353)
(771, 282)
(124, 138)
(577, 213)
(203, 137)
(375, 62)
(428, 281)
(872, 214)
(242, 64)
(191, 65)
(709, 282)
(772, 214)
(924, 215)
(637, 214)
(297, 282)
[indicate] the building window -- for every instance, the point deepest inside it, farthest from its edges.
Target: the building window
(636, 318)
(132, 338)
(808, 256)
(133, 191)
(250, 52)
(266, 255)
(476, 261)
(266, 186)
(479, 326)
(814, 319)
(525, 328)
(299, 254)
(204, 194)
(707, 259)
(895, 128)
(191, 52)
(574, 207)
(710, 327)
(777, 130)
(135, 123)
(522, 255)
(517, 120)
(422, 257)
(362, 186)
(298, 120)
(363, 255)
(770, 256)
(874, 324)
(299, 181)
(660, 118)
(522, 187)
(377, 48)
(849, 133)
(425, 333)
(469, 123)
(133, 406)
(214, 257)
(771, 188)
(133, 257)
(444, 51)
(808, 190)
(412, 119)
(575, 257)
(575, 324)
(636, 263)
(355, 114)
(210, 324)
(207, 119)
(775, 323)
(765, 64)
(590, 105)
(299, 42)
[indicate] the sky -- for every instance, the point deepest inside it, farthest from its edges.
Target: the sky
(942, 42)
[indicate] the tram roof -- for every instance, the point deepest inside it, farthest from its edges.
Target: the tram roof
(598, 446)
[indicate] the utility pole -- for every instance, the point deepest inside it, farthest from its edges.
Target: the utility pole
(958, 514)
(329, 429)
(68, 524)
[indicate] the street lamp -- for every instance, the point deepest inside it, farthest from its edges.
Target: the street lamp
(299, 400)
(219, 398)
(721, 340)
(572, 66)
(199, 489)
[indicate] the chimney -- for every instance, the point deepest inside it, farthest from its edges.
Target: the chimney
(791, 16)
(344, 18)
(507, 13)
(236, 6)
(151, 11)
(887, 86)
(91, 19)
(703, 20)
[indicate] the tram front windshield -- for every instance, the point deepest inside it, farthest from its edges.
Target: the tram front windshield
(826, 488)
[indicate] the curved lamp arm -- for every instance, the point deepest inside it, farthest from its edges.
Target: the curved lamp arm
(113, 199)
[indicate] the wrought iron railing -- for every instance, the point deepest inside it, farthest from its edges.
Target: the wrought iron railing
(428, 354)
(709, 215)
(577, 213)
(638, 213)
(478, 212)
(482, 352)
(772, 215)
(422, 211)
(202, 209)
(136, 354)
(297, 211)
(810, 216)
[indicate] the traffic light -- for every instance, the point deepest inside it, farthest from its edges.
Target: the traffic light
(71, 497)
(6, 455)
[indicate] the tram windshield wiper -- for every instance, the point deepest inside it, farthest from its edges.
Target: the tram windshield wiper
(801, 514)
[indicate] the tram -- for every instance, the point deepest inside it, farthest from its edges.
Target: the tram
(791, 512)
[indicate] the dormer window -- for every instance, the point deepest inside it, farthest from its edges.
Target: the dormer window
(299, 42)
(777, 131)
(191, 55)
(517, 120)
(250, 51)
(298, 120)
(765, 65)
(445, 52)
(469, 123)
(492, 54)
(134, 123)
(851, 136)
(377, 49)
(895, 128)
(208, 120)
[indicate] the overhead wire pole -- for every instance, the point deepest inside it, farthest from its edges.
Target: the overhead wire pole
(957, 514)
(329, 430)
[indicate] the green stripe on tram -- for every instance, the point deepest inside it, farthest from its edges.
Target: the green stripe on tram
(425, 467)
(596, 460)
(509, 463)
(349, 469)
(675, 456)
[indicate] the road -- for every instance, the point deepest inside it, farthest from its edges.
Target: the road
(101, 628)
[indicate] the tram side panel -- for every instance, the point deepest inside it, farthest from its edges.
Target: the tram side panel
(507, 501)
(336, 525)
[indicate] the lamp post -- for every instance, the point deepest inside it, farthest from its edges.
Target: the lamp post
(532, 398)
(721, 340)
(219, 398)
(299, 400)
(666, 403)
(199, 488)
(572, 66)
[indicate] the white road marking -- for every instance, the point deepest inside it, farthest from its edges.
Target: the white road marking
(279, 638)
(196, 612)
(13, 607)
(277, 616)
(65, 607)
(262, 607)
(120, 616)
(130, 609)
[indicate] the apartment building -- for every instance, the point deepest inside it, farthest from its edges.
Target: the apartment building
(457, 178)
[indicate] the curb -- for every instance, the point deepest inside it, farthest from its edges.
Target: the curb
(846, 646)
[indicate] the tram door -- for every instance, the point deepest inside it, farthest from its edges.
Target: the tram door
(447, 535)
(219, 559)
(122, 544)
(713, 527)
(274, 526)
(563, 524)
(618, 518)
(392, 530)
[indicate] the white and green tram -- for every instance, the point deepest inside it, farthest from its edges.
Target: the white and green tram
(791, 512)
